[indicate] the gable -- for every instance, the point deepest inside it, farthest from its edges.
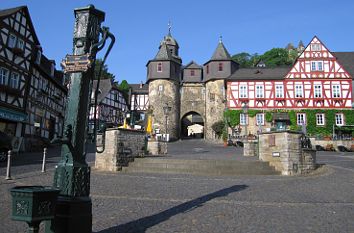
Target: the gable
(18, 20)
(317, 62)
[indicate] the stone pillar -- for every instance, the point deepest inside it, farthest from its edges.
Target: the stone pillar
(250, 148)
(282, 149)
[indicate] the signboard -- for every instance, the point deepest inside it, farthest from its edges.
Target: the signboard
(12, 115)
(76, 63)
(276, 154)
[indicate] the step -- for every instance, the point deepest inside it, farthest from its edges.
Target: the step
(200, 172)
(207, 167)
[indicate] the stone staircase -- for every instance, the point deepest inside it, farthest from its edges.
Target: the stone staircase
(199, 167)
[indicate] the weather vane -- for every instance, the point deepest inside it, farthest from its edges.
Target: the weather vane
(220, 39)
(169, 27)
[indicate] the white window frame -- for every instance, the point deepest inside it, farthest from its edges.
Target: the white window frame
(160, 88)
(336, 91)
(339, 119)
(301, 118)
(243, 119)
(243, 91)
(317, 90)
(14, 80)
(320, 66)
(12, 41)
(279, 91)
(320, 119)
(315, 47)
(4, 76)
(259, 91)
(299, 91)
(317, 66)
(260, 119)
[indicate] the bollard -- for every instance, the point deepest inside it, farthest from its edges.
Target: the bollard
(8, 170)
(44, 155)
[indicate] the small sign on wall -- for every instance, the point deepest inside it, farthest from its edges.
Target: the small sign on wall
(276, 154)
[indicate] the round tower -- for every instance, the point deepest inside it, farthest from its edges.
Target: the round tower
(216, 71)
(163, 76)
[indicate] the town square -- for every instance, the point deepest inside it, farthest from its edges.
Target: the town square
(100, 132)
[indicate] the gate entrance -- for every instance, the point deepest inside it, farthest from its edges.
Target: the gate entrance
(192, 126)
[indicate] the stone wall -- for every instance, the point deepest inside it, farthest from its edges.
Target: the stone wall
(283, 151)
(157, 100)
(336, 143)
(214, 106)
(121, 146)
(192, 99)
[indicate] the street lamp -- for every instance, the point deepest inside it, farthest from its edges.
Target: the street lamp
(245, 111)
(166, 110)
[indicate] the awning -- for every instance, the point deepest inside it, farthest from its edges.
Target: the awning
(281, 116)
(12, 115)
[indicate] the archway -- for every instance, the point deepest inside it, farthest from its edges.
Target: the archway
(192, 126)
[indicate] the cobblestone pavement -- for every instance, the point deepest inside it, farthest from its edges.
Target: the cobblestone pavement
(322, 202)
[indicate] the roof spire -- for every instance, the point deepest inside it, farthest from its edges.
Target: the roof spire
(220, 39)
(169, 27)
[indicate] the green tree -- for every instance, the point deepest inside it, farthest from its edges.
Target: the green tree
(105, 74)
(276, 57)
(124, 88)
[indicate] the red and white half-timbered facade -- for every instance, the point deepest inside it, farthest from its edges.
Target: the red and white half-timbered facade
(316, 80)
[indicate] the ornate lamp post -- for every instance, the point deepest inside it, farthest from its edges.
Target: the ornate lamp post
(166, 111)
(245, 111)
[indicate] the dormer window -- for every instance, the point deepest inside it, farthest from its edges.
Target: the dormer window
(38, 58)
(159, 67)
(220, 68)
(192, 72)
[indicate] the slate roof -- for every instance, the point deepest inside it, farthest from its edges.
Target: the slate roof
(10, 11)
(104, 88)
(192, 65)
(220, 53)
(136, 88)
(277, 73)
(163, 53)
(346, 59)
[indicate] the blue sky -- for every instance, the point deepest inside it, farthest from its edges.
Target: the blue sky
(139, 26)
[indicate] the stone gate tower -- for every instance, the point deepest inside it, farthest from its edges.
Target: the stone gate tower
(163, 77)
(215, 72)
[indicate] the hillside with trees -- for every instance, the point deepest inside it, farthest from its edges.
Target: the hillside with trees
(271, 58)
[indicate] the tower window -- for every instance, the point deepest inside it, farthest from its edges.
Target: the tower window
(160, 88)
(192, 72)
(159, 67)
(207, 69)
(220, 67)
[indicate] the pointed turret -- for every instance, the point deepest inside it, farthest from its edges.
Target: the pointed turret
(220, 66)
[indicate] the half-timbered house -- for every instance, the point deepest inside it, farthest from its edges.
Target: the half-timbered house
(319, 79)
(31, 89)
(139, 102)
(111, 105)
